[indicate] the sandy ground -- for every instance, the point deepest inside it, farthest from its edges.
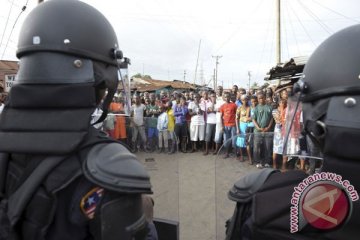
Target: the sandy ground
(192, 189)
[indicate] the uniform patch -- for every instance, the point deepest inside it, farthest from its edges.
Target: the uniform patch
(89, 202)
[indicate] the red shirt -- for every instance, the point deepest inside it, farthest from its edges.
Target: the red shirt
(228, 111)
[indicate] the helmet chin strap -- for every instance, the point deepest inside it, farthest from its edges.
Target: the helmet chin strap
(105, 105)
(107, 75)
(316, 131)
(314, 126)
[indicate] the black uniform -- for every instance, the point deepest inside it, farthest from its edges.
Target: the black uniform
(61, 178)
(270, 204)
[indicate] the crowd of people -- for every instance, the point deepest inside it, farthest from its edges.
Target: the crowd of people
(248, 125)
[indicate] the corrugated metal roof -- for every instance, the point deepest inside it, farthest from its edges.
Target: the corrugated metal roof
(153, 84)
(149, 88)
(8, 65)
(301, 60)
(291, 69)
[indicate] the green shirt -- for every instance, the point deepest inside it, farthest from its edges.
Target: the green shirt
(262, 115)
(152, 117)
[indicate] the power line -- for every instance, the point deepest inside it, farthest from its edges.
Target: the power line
(316, 18)
(12, 29)
(272, 46)
(340, 14)
(286, 38)
(239, 27)
(302, 25)
(7, 22)
(266, 40)
(292, 28)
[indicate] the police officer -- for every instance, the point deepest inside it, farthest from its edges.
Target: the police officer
(324, 205)
(61, 178)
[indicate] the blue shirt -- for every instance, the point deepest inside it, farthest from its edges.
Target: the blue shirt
(180, 114)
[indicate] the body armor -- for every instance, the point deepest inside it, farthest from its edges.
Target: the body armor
(61, 178)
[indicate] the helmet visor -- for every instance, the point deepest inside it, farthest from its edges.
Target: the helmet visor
(296, 143)
(123, 76)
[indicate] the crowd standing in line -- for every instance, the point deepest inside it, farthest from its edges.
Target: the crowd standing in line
(249, 125)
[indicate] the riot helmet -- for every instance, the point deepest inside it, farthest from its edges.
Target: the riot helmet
(69, 56)
(325, 107)
(71, 27)
(328, 96)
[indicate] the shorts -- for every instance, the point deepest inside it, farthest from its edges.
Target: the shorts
(181, 130)
(210, 131)
(197, 132)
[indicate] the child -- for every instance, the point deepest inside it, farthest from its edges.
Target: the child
(171, 127)
(162, 127)
(250, 129)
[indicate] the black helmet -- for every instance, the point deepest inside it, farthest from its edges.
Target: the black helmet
(68, 54)
(333, 69)
(71, 27)
(330, 93)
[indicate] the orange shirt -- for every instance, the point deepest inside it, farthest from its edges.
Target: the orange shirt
(228, 111)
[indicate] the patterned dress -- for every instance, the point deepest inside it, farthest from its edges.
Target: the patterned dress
(242, 117)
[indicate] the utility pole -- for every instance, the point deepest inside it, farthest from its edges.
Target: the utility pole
(278, 33)
(216, 68)
(213, 77)
(197, 61)
(184, 75)
(249, 74)
(202, 79)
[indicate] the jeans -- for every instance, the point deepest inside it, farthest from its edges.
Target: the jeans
(136, 131)
(263, 144)
(229, 133)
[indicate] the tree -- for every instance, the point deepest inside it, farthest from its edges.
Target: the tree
(138, 75)
(265, 85)
(255, 85)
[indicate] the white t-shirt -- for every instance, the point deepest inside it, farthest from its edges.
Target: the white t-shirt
(196, 119)
(211, 117)
(218, 104)
(138, 114)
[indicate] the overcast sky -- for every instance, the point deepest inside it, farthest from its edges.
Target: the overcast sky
(161, 37)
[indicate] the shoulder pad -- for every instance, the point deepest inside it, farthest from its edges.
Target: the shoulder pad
(247, 186)
(112, 166)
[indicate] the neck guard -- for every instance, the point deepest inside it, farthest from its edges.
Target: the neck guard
(49, 109)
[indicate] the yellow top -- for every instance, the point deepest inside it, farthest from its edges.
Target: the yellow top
(171, 117)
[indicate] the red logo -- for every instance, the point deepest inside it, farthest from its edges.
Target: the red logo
(325, 206)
